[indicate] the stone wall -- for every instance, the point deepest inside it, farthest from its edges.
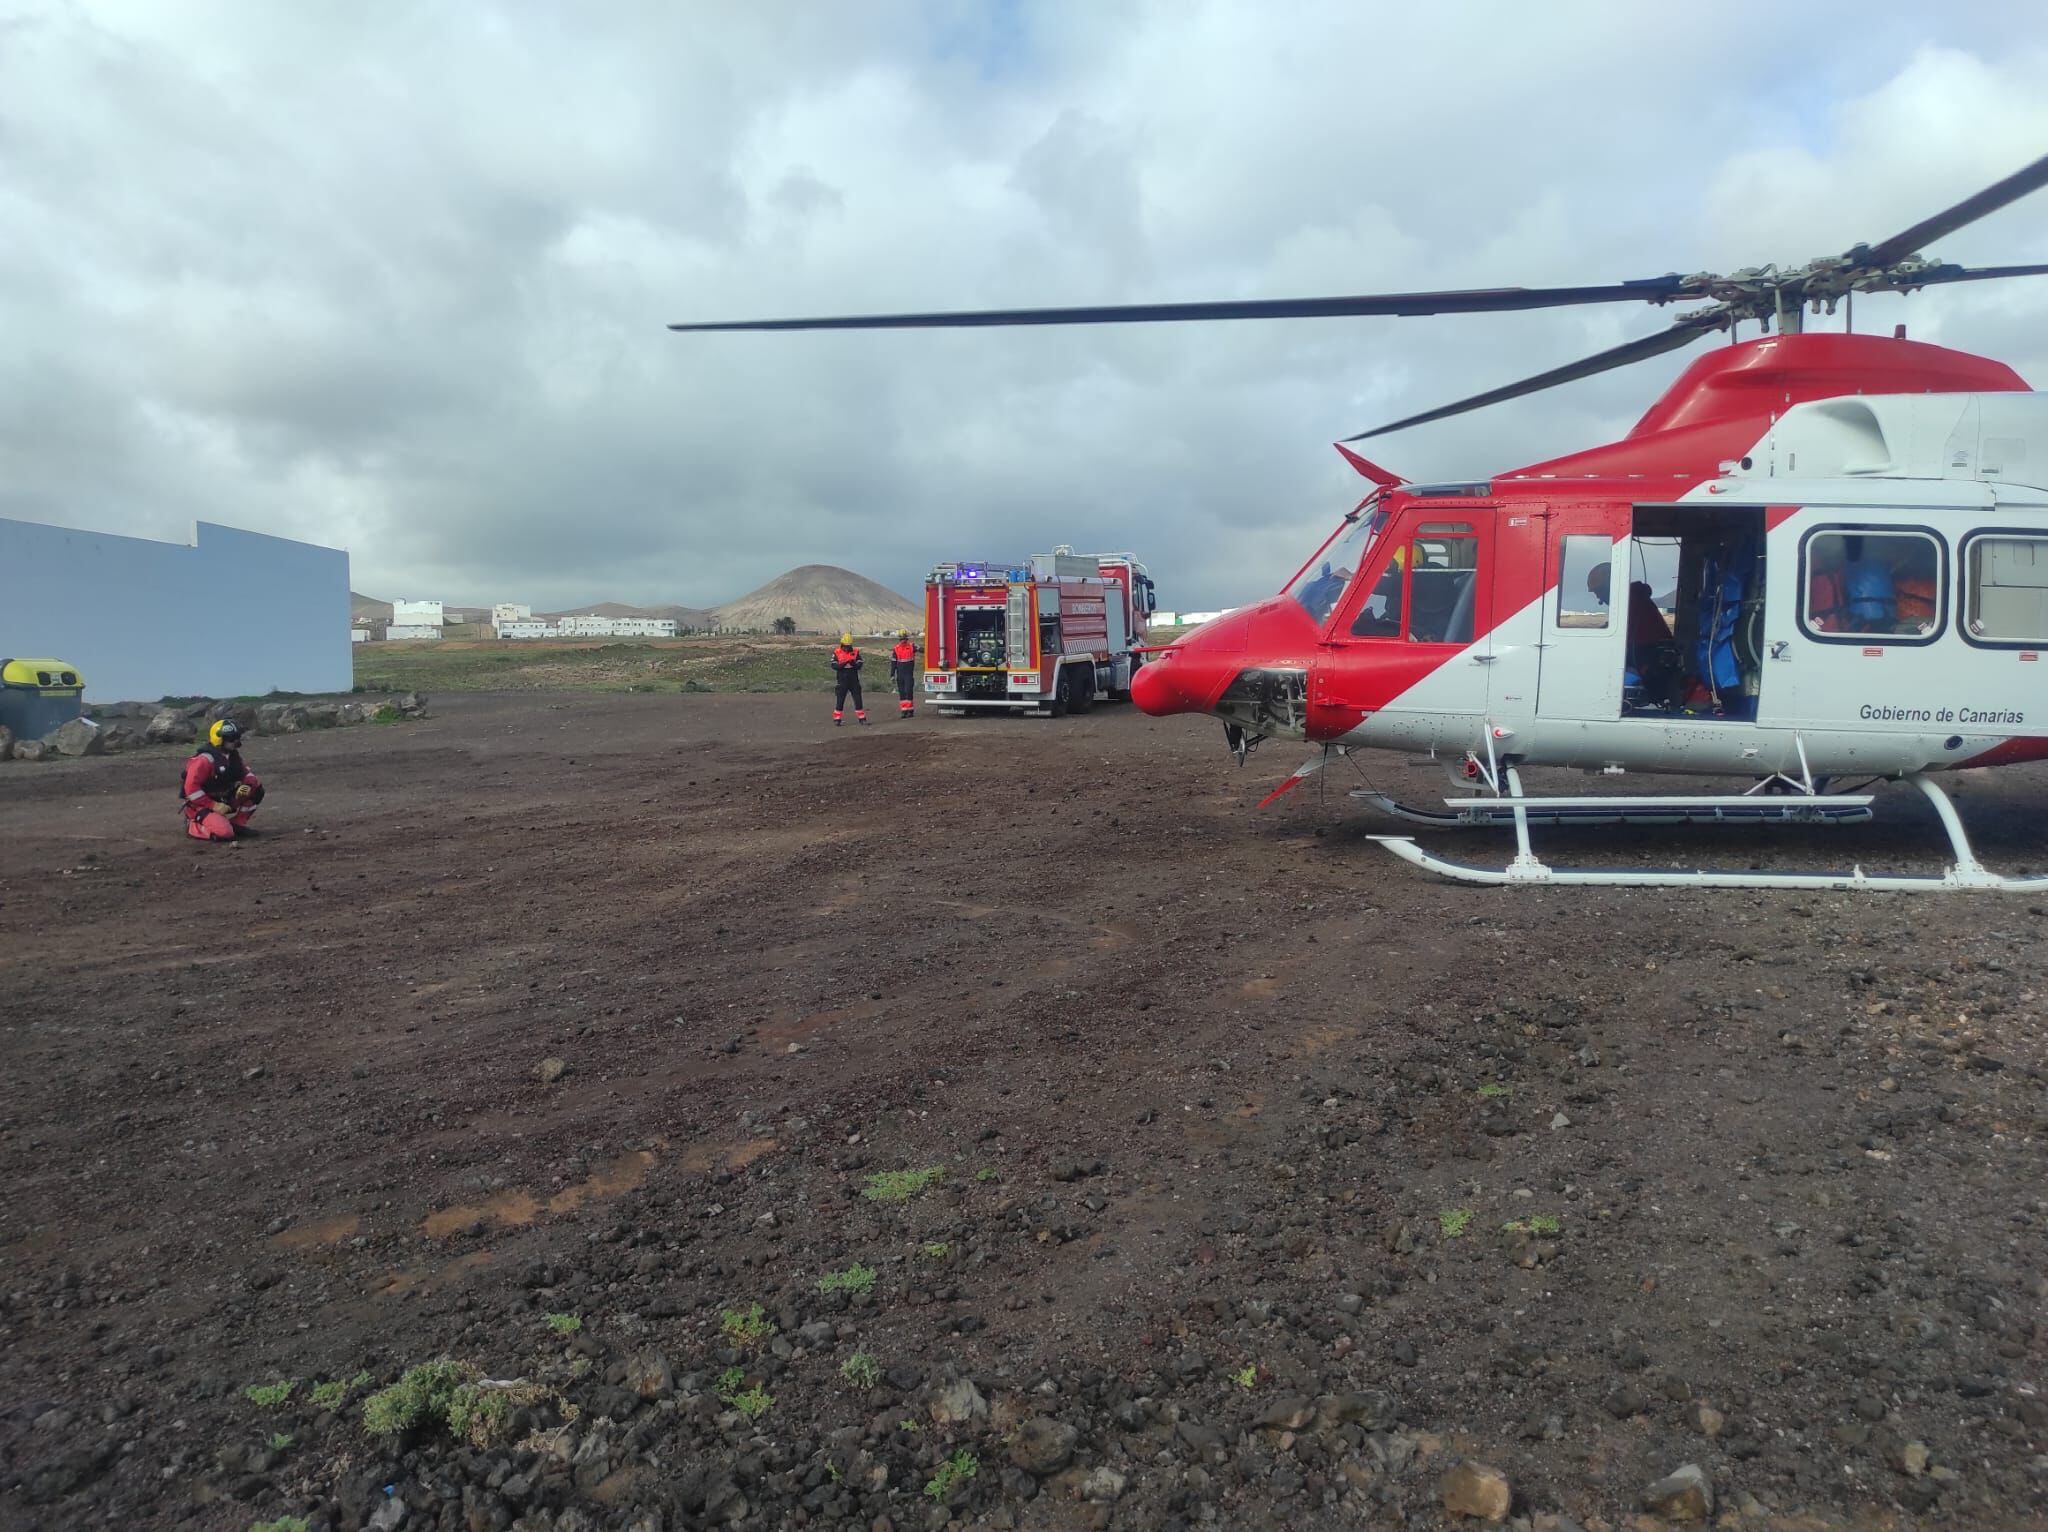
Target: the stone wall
(120, 726)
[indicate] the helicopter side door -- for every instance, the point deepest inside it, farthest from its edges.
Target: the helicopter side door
(1403, 662)
(1585, 613)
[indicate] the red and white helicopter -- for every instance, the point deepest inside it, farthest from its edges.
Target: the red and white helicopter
(1818, 557)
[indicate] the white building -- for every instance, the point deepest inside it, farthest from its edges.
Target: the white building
(510, 629)
(359, 635)
(511, 611)
(122, 609)
(584, 627)
(643, 627)
(400, 631)
(417, 613)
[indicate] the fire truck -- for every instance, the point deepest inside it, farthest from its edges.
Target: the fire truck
(1049, 635)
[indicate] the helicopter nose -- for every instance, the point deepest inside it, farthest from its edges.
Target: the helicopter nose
(1189, 676)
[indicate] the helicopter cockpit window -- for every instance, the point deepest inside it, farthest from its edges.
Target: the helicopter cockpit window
(1318, 586)
(1872, 583)
(1427, 591)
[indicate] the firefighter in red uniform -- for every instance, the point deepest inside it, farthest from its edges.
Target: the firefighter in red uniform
(846, 672)
(220, 793)
(903, 666)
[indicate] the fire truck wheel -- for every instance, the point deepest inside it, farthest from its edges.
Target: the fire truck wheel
(1083, 697)
(1062, 693)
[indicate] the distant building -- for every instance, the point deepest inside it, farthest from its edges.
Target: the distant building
(1165, 619)
(584, 627)
(359, 635)
(511, 611)
(643, 627)
(511, 629)
(417, 613)
(400, 631)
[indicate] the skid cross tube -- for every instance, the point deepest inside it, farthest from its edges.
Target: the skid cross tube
(1964, 874)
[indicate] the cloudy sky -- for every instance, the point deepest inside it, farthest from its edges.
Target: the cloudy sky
(393, 276)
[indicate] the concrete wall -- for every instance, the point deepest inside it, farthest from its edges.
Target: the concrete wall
(235, 614)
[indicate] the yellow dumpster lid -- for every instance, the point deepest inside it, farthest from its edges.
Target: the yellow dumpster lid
(40, 673)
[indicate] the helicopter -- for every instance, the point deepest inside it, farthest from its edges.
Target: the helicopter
(1819, 562)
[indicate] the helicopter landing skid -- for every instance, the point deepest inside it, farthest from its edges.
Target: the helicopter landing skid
(1473, 813)
(1965, 873)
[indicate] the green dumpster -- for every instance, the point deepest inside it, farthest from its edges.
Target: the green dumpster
(38, 695)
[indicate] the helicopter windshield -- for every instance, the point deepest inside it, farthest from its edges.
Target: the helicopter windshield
(1319, 585)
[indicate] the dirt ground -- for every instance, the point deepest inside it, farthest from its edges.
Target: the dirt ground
(1281, 1185)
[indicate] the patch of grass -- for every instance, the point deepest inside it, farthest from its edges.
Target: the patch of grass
(419, 1398)
(751, 1402)
(387, 714)
(282, 1524)
(908, 1425)
(1248, 1377)
(748, 1327)
(954, 1472)
(900, 1185)
(1494, 1092)
(986, 1173)
(1453, 1221)
(329, 1395)
(563, 1324)
(282, 1441)
(855, 1279)
(938, 1250)
(1541, 1223)
(269, 1395)
(861, 1370)
(445, 1394)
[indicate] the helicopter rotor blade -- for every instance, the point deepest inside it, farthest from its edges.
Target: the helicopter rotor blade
(1979, 273)
(1480, 300)
(1967, 211)
(1679, 335)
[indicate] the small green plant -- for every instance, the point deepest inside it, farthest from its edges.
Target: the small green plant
(420, 1398)
(269, 1395)
(855, 1279)
(1248, 1376)
(986, 1173)
(1542, 1223)
(329, 1395)
(908, 1425)
(747, 1327)
(832, 1472)
(1453, 1221)
(955, 1471)
(750, 1402)
(938, 1250)
(282, 1441)
(282, 1524)
(387, 714)
(562, 1324)
(900, 1185)
(861, 1370)
(1493, 1092)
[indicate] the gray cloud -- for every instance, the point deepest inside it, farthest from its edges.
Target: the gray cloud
(394, 277)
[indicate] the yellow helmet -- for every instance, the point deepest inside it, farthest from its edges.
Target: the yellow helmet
(226, 733)
(847, 639)
(903, 632)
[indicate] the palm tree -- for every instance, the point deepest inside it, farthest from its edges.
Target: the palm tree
(785, 625)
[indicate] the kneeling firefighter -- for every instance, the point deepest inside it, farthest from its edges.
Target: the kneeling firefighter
(220, 793)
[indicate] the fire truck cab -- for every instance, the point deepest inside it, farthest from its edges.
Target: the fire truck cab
(1049, 635)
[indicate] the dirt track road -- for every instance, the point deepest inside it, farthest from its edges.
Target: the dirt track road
(1233, 1113)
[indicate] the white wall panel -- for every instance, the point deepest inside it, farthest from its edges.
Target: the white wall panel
(234, 614)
